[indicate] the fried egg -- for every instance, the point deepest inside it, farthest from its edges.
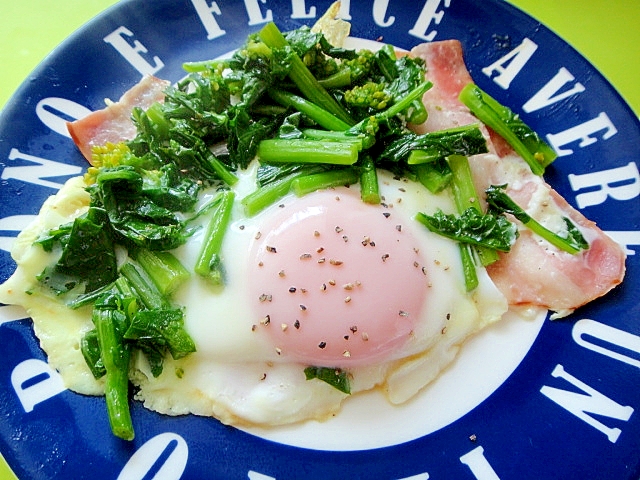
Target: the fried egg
(320, 280)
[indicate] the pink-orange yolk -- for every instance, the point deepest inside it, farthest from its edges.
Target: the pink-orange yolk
(336, 282)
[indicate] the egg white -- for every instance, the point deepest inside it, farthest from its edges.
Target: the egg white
(236, 375)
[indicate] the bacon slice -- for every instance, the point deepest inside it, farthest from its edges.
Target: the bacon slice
(533, 272)
(113, 123)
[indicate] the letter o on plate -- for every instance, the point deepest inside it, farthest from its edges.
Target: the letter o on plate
(164, 456)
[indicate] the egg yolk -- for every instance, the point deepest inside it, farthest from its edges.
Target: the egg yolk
(336, 282)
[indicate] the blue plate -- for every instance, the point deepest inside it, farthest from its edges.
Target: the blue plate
(566, 410)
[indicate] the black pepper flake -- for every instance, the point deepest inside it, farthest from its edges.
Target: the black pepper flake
(386, 214)
(271, 249)
(345, 238)
(264, 376)
(266, 320)
(399, 228)
(281, 273)
(278, 351)
(320, 249)
(338, 229)
(346, 337)
(258, 235)
(241, 227)
(403, 313)
(305, 256)
(353, 328)
(302, 307)
(448, 316)
(292, 289)
(372, 243)
(424, 270)
(322, 344)
(265, 297)
(296, 324)
(365, 241)
(473, 437)
(385, 257)
(322, 260)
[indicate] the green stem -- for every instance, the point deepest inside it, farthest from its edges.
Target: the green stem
(145, 288)
(465, 196)
(331, 136)
(115, 356)
(311, 110)
(302, 77)
(267, 195)
(307, 151)
(369, 188)
(319, 181)
(223, 172)
(524, 141)
(164, 268)
(208, 264)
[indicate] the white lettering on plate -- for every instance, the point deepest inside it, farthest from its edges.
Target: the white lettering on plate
(550, 93)
(582, 133)
(593, 402)
(174, 452)
(255, 14)
(586, 328)
(9, 313)
(14, 223)
(343, 13)
(258, 476)
(206, 13)
(510, 64)
(49, 112)
(133, 53)
(420, 476)
(299, 10)
(429, 13)
(34, 381)
(620, 183)
(380, 13)
(36, 173)
(479, 465)
(625, 239)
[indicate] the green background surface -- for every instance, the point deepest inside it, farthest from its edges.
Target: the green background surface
(606, 32)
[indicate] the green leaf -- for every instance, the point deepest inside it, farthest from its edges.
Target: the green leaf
(335, 377)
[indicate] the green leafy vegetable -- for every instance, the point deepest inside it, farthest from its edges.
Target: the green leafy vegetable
(570, 241)
(88, 259)
(473, 227)
(335, 377)
(527, 143)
